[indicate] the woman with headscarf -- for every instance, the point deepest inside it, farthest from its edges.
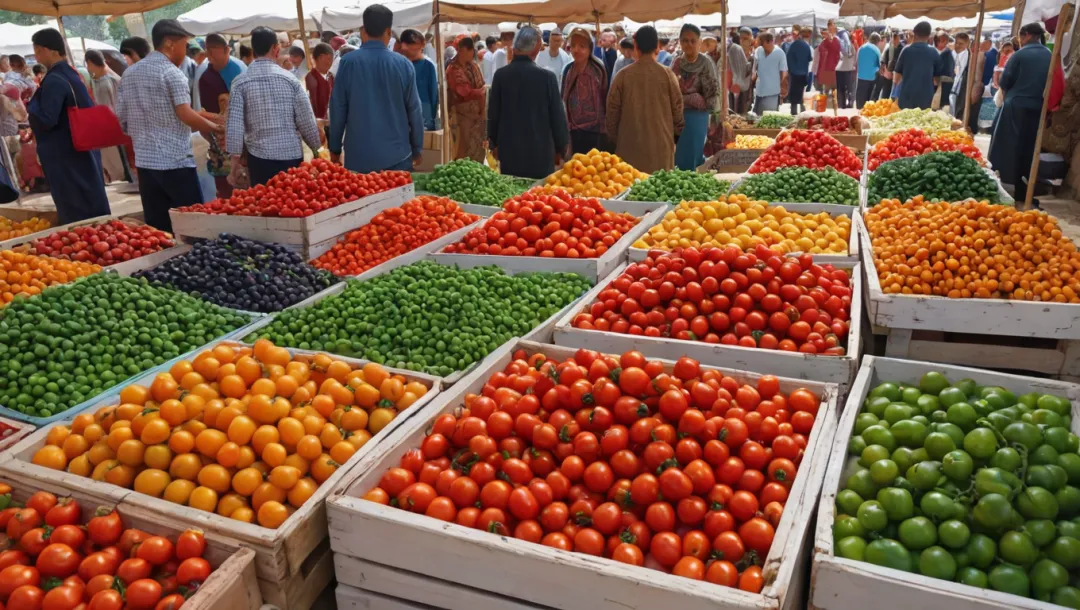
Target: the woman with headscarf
(75, 178)
(465, 96)
(1012, 145)
(700, 86)
(828, 56)
(584, 92)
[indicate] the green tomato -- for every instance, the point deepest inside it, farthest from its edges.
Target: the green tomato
(951, 396)
(1066, 551)
(872, 515)
(871, 454)
(846, 525)
(1058, 438)
(1017, 547)
(1070, 462)
(848, 502)
(1042, 476)
(938, 444)
(957, 465)
(928, 404)
(1068, 500)
(856, 445)
(936, 505)
(933, 382)
(897, 503)
(954, 534)
(981, 443)
(981, 551)
(924, 475)
(1048, 575)
(992, 511)
(851, 547)
(1008, 459)
(936, 562)
(1043, 454)
(993, 481)
(864, 421)
(862, 483)
(904, 458)
(1068, 597)
(884, 471)
(1009, 579)
(1037, 503)
(973, 577)
(1024, 434)
(963, 415)
(879, 435)
(897, 412)
(1042, 531)
(889, 553)
(910, 395)
(1069, 528)
(917, 533)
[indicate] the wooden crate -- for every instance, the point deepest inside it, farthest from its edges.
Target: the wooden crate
(543, 332)
(833, 209)
(594, 269)
(301, 234)
(231, 586)
(16, 213)
(293, 562)
(415, 561)
(914, 327)
(840, 370)
(25, 239)
(845, 584)
(22, 430)
(732, 160)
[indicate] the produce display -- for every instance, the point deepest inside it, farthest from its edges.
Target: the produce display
(59, 556)
(743, 142)
(686, 471)
(804, 148)
(968, 484)
(443, 319)
(915, 142)
(394, 232)
(72, 342)
(312, 187)
(247, 432)
(930, 121)
(468, 181)
(880, 108)
(746, 224)
(10, 229)
(775, 120)
(678, 185)
(6, 430)
(555, 224)
(23, 274)
(723, 295)
(242, 274)
(802, 185)
(936, 176)
(972, 250)
(103, 244)
(831, 124)
(596, 174)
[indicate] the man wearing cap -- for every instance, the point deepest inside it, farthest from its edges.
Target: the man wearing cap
(267, 109)
(554, 58)
(154, 107)
(375, 114)
(222, 68)
(75, 178)
(526, 128)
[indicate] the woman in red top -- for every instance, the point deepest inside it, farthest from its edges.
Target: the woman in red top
(828, 58)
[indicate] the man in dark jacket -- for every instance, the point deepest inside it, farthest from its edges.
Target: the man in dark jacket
(527, 129)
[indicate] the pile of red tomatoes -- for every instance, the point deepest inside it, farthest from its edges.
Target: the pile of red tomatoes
(723, 295)
(915, 142)
(312, 187)
(103, 244)
(555, 224)
(808, 148)
(684, 470)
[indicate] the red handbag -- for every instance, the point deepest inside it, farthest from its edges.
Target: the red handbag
(94, 127)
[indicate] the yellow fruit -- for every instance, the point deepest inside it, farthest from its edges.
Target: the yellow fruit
(152, 482)
(203, 498)
(594, 174)
(178, 491)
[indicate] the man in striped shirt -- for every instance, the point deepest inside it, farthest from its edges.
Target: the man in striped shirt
(269, 113)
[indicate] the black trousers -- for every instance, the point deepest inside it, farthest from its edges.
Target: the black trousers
(863, 92)
(164, 189)
(796, 91)
(882, 88)
(845, 88)
(262, 170)
(582, 141)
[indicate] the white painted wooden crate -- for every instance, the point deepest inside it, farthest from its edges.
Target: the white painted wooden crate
(304, 232)
(135, 265)
(285, 557)
(833, 209)
(513, 265)
(405, 560)
(591, 268)
(976, 316)
(795, 365)
(845, 584)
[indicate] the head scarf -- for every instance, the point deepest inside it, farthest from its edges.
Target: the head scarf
(337, 42)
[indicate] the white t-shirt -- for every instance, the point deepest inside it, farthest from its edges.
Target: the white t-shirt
(500, 59)
(487, 66)
(556, 64)
(768, 68)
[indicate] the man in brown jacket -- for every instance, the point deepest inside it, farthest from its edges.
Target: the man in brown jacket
(645, 108)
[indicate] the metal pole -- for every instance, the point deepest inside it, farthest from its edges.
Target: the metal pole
(1018, 16)
(725, 40)
(303, 34)
(1063, 23)
(63, 34)
(973, 52)
(445, 154)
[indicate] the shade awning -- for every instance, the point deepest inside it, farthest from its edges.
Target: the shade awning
(407, 14)
(584, 11)
(82, 7)
(933, 9)
(786, 13)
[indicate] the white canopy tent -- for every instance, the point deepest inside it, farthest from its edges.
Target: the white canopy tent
(671, 27)
(242, 16)
(786, 13)
(407, 14)
(580, 11)
(15, 40)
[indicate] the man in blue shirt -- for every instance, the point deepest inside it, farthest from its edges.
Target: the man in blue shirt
(375, 107)
(799, 56)
(664, 58)
(916, 71)
(605, 52)
(427, 82)
(869, 63)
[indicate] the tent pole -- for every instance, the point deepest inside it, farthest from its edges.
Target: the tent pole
(597, 15)
(724, 42)
(63, 34)
(1063, 23)
(303, 34)
(445, 154)
(974, 50)
(1018, 15)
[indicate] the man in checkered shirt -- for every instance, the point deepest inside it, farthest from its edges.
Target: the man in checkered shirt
(269, 113)
(154, 107)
